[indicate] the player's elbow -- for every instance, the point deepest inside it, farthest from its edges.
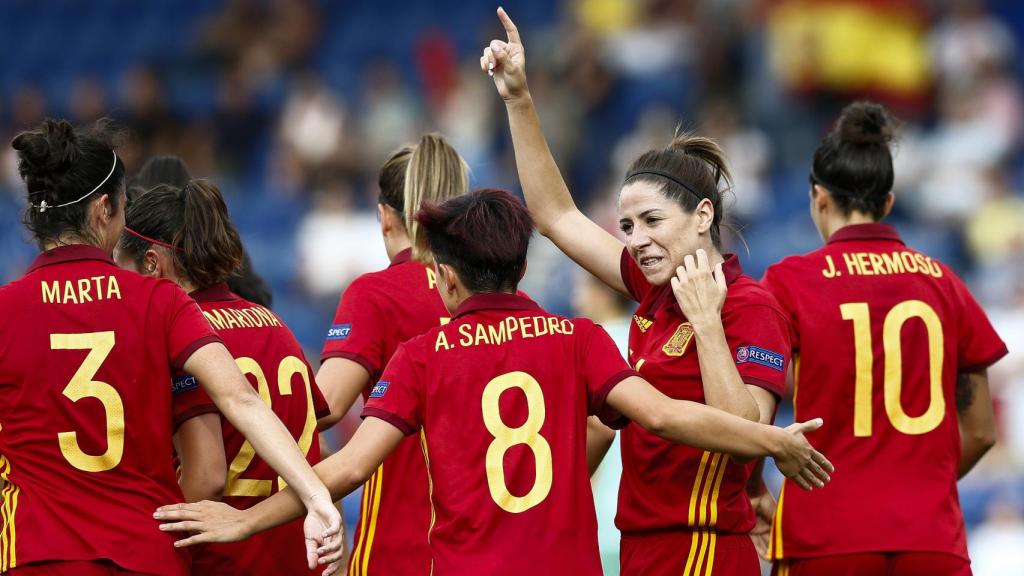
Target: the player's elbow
(327, 421)
(981, 438)
(657, 420)
(204, 484)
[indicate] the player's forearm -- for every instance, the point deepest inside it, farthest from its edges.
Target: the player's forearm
(974, 444)
(547, 196)
(201, 485)
(340, 380)
(723, 387)
(707, 428)
(273, 443)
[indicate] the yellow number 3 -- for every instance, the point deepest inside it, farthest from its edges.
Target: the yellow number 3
(82, 385)
(505, 438)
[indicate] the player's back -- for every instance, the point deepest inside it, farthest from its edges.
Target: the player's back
(272, 360)
(502, 394)
(86, 350)
(881, 332)
(377, 312)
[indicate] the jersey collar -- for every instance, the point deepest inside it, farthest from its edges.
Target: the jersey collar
(402, 257)
(217, 293)
(495, 301)
(732, 268)
(70, 253)
(874, 231)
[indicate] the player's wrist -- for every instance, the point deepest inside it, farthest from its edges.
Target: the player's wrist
(776, 441)
(520, 101)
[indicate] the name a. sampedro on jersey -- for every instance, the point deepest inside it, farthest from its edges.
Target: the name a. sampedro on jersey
(476, 334)
(80, 290)
(875, 264)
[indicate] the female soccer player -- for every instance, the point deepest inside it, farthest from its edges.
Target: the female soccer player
(185, 235)
(85, 353)
(882, 333)
(172, 170)
(500, 397)
(376, 313)
(679, 507)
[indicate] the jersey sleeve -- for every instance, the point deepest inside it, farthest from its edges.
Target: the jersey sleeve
(978, 346)
(758, 338)
(357, 332)
(632, 277)
(186, 329)
(398, 397)
(188, 399)
(774, 282)
(603, 367)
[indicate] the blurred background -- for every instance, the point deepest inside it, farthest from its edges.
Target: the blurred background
(291, 106)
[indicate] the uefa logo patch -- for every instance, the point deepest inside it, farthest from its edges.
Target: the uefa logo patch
(379, 389)
(760, 356)
(184, 384)
(339, 331)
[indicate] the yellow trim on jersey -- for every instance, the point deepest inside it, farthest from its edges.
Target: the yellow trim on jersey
(360, 538)
(374, 510)
(693, 548)
(716, 459)
(430, 492)
(775, 537)
(696, 488)
(718, 486)
(9, 534)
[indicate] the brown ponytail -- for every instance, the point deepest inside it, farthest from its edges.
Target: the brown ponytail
(193, 222)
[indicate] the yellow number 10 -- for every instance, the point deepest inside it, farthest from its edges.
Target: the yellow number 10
(892, 345)
(505, 438)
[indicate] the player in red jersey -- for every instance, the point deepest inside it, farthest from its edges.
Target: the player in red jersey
(680, 509)
(881, 333)
(159, 224)
(501, 395)
(376, 313)
(85, 353)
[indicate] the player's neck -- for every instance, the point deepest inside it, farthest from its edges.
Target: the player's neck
(395, 243)
(850, 219)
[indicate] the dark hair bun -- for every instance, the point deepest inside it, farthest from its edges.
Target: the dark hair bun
(865, 123)
(53, 148)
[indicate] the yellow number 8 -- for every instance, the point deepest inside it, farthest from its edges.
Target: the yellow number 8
(505, 438)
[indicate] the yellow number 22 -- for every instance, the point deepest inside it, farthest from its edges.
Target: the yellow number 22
(82, 385)
(504, 438)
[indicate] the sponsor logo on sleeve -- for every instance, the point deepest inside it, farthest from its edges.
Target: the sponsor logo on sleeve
(183, 384)
(760, 356)
(379, 389)
(339, 331)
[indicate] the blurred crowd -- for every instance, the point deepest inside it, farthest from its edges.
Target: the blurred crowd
(291, 105)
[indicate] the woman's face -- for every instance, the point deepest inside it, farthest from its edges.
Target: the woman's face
(659, 233)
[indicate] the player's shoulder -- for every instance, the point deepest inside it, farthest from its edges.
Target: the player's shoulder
(796, 264)
(746, 292)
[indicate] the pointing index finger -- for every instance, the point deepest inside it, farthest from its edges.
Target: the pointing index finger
(510, 27)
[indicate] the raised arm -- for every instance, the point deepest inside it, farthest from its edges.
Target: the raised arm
(239, 403)
(701, 426)
(550, 203)
(340, 381)
(977, 424)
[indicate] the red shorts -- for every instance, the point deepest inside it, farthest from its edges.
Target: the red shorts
(878, 564)
(60, 568)
(701, 553)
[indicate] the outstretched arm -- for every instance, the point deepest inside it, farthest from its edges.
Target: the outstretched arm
(550, 203)
(701, 426)
(342, 473)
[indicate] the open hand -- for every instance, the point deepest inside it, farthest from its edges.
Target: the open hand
(764, 506)
(799, 461)
(505, 61)
(208, 521)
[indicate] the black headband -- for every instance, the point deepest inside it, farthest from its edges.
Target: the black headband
(838, 190)
(665, 175)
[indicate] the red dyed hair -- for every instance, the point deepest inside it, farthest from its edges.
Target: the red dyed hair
(484, 235)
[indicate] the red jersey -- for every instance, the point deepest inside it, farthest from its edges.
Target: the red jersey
(272, 360)
(667, 486)
(880, 332)
(86, 421)
(376, 313)
(502, 395)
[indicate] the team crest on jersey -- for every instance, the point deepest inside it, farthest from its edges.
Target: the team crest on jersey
(680, 340)
(339, 331)
(642, 323)
(379, 389)
(760, 356)
(184, 384)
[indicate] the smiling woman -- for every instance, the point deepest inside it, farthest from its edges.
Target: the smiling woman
(670, 210)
